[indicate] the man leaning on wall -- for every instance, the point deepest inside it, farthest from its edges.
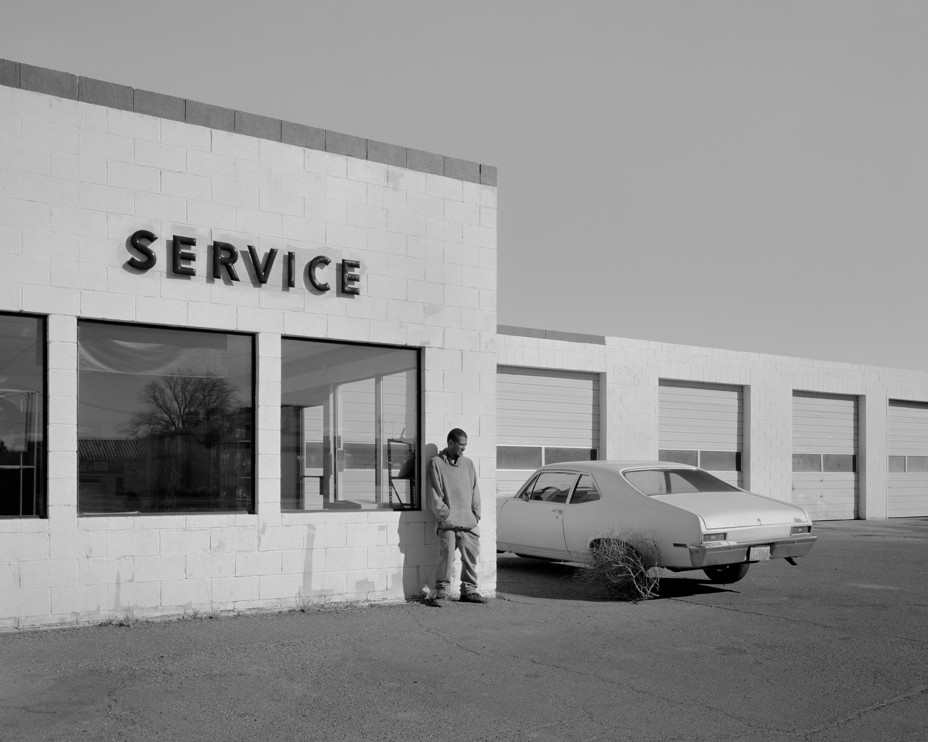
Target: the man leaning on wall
(454, 499)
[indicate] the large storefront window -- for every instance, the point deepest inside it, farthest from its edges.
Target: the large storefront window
(165, 420)
(349, 423)
(22, 416)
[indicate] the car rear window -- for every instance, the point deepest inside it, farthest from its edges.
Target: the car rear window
(675, 481)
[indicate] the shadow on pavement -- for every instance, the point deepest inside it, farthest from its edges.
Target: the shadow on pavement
(536, 578)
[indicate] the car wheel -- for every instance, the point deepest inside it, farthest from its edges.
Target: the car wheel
(727, 574)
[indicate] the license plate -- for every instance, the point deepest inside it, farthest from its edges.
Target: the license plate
(759, 553)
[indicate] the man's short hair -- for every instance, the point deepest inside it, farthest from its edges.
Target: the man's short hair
(455, 434)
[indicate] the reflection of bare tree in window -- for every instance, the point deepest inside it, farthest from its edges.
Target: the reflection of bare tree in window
(194, 405)
(183, 415)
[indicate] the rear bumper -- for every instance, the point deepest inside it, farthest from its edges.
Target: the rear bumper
(711, 556)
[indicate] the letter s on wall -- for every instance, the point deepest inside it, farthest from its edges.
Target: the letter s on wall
(140, 241)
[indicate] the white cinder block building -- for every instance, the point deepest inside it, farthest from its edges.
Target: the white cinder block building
(229, 343)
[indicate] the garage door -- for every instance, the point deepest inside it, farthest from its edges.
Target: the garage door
(701, 424)
(825, 455)
(907, 426)
(543, 417)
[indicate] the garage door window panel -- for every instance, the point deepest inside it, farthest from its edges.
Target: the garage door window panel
(518, 457)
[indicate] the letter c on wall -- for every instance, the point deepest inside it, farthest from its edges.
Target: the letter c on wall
(320, 261)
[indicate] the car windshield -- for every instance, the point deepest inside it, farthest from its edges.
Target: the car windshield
(676, 481)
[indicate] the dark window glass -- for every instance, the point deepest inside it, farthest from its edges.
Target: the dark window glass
(585, 491)
(839, 462)
(897, 463)
(720, 460)
(807, 462)
(553, 486)
(676, 481)
(22, 416)
(560, 455)
(679, 457)
(349, 421)
(917, 463)
(165, 420)
(518, 457)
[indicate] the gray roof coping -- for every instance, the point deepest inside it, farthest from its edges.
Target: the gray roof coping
(570, 337)
(65, 85)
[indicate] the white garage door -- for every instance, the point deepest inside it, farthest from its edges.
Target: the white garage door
(907, 425)
(825, 455)
(701, 424)
(543, 417)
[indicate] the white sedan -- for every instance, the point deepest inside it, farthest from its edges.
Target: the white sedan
(696, 520)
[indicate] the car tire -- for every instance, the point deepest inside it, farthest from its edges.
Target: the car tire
(727, 574)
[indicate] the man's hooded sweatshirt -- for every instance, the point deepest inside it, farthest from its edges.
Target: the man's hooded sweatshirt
(453, 494)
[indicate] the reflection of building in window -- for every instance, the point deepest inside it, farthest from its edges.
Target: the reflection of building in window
(22, 416)
(165, 420)
(349, 416)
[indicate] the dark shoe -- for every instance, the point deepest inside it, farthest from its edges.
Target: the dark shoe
(439, 598)
(472, 598)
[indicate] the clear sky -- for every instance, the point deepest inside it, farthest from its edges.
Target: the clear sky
(742, 174)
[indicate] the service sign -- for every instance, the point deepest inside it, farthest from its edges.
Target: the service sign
(221, 258)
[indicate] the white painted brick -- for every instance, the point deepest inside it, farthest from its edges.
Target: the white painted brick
(209, 165)
(134, 177)
(106, 306)
(18, 158)
(46, 189)
(233, 539)
(51, 136)
(22, 547)
(185, 136)
(351, 191)
(29, 105)
(343, 559)
(68, 220)
(351, 329)
(106, 199)
(370, 217)
(425, 336)
(257, 563)
(403, 223)
(77, 114)
(281, 586)
(441, 230)
(163, 208)
(479, 236)
(448, 188)
(185, 185)
(159, 567)
(107, 146)
(281, 202)
(134, 125)
(387, 198)
(210, 565)
(21, 604)
(325, 163)
(78, 167)
(47, 573)
(9, 576)
(305, 324)
(406, 312)
(325, 209)
(350, 238)
(50, 300)
(304, 231)
(229, 193)
(280, 155)
(211, 215)
(24, 214)
(425, 205)
(10, 128)
(11, 185)
(191, 593)
(162, 156)
(235, 589)
(235, 145)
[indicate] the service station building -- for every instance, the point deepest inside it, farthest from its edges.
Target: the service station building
(229, 344)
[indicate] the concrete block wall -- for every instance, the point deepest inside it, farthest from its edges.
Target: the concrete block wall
(83, 165)
(632, 369)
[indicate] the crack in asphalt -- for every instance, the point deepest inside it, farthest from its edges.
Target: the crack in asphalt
(650, 693)
(861, 713)
(805, 622)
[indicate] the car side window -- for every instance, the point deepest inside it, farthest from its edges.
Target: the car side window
(553, 486)
(585, 491)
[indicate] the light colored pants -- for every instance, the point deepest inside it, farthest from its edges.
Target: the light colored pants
(468, 543)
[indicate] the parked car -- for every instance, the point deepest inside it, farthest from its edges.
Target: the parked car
(696, 520)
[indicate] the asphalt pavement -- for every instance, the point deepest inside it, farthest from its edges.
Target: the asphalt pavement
(835, 648)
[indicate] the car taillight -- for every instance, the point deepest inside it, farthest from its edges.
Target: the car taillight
(710, 537)
(799, 529)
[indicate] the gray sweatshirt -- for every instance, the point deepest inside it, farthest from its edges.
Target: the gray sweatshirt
(453, 494)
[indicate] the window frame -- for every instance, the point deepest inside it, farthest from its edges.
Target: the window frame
(252, 478)
(41, 469)
(418, 473)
